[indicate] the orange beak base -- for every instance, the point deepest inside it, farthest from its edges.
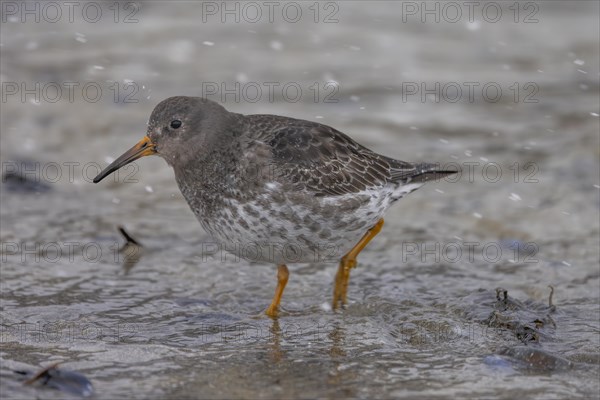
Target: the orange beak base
(143, 148)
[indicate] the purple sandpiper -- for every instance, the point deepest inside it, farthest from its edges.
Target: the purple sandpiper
(276, 189)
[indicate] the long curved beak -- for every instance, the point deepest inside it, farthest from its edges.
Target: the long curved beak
(143, 148)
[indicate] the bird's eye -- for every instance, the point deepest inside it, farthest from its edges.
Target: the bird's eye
(175, 124)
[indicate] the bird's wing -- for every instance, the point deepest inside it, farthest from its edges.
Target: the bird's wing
(323, 161)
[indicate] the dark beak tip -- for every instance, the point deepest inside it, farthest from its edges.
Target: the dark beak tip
(105, 172)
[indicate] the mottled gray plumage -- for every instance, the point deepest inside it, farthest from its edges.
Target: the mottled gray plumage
(277, 189)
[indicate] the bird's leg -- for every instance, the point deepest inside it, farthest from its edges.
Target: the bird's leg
(282, 278)
(348, 262)
(341, 280)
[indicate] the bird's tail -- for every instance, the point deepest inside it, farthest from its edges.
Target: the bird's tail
(426, 172)
(420, 172)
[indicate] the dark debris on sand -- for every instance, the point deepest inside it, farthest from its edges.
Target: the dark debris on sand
(530, 322)
(66, 381)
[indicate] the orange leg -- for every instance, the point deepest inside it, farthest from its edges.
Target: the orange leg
(282, 277)
(348, 262)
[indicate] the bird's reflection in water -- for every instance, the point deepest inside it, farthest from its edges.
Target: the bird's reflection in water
(339, 373)
(333, 369)
(130, 253)
(338, 338)
(275, 352)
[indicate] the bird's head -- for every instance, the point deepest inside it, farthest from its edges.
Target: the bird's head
(179, 127)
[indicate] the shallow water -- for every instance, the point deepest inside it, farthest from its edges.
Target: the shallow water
(423, 321)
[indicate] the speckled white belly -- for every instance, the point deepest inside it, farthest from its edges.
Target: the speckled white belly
(321, 229)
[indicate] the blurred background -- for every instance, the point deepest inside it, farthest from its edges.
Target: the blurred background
(507, 91)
